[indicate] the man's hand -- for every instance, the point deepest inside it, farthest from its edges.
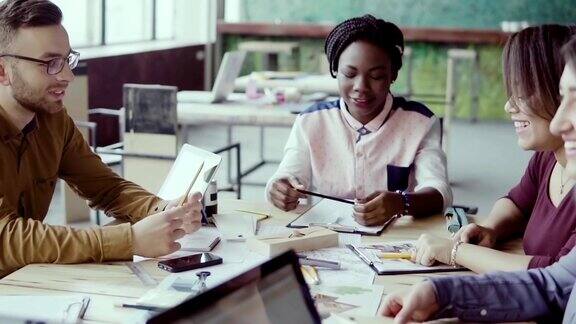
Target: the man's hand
(415, 305)
(476, 234)
(192, 220)
(378, 208)
(156, 235)
(284, 195)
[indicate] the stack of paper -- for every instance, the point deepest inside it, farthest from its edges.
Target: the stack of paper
(347, 299)
(53, 309)
(236, 227)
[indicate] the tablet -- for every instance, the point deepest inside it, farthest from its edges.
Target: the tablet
(184, 170)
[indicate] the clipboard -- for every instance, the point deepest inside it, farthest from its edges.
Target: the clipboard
(395, 267)
(191, 163)
(336, 216)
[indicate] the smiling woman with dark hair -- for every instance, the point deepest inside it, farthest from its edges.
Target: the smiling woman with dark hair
(538, 207)
(369, 145)
(545, 294)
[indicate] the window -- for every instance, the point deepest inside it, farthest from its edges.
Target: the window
(82, 20)
(127, 21)
(164, 19)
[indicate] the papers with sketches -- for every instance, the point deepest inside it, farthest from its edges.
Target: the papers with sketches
(336, 216)
(398, 266)
(184, 169)
(52, 309)
(352, 271)
(347, 299)
(203, 240)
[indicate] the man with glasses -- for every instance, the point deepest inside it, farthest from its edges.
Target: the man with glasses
(39, 144)
(53, 66)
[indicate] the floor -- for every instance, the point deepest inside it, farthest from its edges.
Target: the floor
(484, 162)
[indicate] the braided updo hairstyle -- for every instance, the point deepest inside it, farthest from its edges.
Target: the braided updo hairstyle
(381, 33)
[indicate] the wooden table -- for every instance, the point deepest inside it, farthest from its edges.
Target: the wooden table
(110, 283)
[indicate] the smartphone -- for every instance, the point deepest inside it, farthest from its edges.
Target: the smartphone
(190, 262)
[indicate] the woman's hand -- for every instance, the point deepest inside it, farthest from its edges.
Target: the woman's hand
(476, 234)
(430, 248)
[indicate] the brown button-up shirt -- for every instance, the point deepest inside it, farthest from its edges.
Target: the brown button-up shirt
(31, 161)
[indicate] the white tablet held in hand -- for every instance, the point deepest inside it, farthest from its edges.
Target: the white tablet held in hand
(184, 170)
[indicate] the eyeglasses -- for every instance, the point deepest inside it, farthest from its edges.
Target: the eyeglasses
(53, 66)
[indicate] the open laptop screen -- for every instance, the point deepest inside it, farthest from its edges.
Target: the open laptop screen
(274, 292)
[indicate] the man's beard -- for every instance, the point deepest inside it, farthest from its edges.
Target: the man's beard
(26, 97)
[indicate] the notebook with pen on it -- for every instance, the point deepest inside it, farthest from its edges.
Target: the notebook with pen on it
(337, 216)
(381, 258)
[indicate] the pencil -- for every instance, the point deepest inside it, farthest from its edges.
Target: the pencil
(309, 275)
(306, 192)
(185, 197)
(254, 212)
(395, 255)
(141, 307)
(314, 273)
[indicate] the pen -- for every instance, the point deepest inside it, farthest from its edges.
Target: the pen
(304, 260)
(141, 307)
(314, 273)
(310, 275)
(325, 196)
(185, 197)
(254, 212)
(360, 255)
(395, 255)
(335, 227)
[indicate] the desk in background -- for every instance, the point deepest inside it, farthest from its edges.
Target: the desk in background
(305, 83)
(232, 114)
(108, 284)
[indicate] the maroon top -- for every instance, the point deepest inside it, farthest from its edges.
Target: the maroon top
(551, 231)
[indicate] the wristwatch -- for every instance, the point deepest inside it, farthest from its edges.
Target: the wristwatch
(405, 200)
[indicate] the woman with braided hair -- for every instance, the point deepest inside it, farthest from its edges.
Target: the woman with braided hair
(381, 150)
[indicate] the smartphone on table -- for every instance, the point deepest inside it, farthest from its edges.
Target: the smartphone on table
(190, 262)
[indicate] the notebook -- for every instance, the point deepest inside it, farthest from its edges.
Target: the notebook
(203, 240)
(398, 266)
(336, 216)
(50, 308)
(236, 227)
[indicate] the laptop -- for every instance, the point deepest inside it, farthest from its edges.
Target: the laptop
(224, 84)
(274, 292)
